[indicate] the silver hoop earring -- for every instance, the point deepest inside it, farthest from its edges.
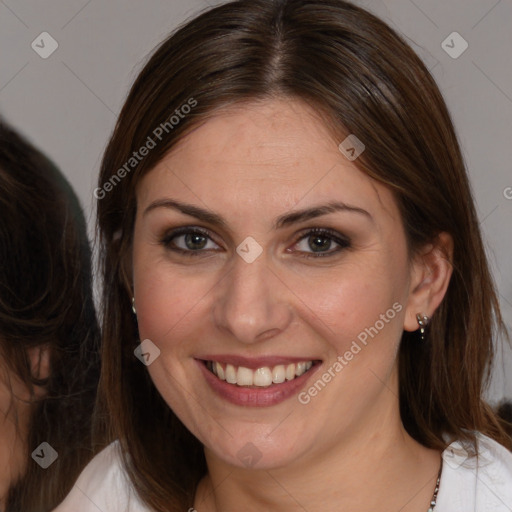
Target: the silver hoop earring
(133, 306)
(423, 321)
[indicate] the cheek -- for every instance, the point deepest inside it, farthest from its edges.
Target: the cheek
(360, 301)
(166, 308)
(358, 315)
(173, 302)
(165, 304)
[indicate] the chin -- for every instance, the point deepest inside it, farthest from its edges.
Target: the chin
(257, 450)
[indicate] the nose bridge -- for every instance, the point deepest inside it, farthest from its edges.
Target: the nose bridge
(251, 303)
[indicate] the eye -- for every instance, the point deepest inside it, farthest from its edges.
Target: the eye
(189, 241)
(319, 241)
(314, 243)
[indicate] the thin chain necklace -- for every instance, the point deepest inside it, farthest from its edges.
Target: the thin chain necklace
(433, 501)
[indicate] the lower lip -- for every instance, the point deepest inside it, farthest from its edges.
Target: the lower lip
(254, 397)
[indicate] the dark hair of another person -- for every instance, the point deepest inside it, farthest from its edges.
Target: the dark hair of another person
(361, 78)
(46, 301)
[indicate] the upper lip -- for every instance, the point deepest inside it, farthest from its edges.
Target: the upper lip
(255, 362)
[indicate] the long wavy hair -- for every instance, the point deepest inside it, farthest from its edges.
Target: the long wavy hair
(46, 301)
(363, 78)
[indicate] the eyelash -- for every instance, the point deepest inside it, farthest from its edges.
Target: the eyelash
(343, 242)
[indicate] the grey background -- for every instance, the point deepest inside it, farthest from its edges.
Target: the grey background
(67, 104)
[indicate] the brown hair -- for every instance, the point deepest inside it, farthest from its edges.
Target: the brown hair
(364, 79)
(46, 301)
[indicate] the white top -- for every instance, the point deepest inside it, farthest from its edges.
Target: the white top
(466, 485)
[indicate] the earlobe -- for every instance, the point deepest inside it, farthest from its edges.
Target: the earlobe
(430, 277)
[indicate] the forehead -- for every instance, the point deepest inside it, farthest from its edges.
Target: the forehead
(267, 155)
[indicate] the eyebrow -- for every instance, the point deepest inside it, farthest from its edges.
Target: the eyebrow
(281, 222)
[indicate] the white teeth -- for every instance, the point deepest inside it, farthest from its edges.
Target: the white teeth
(230, 374)
(244, 376)
(219, 371)
(262, 377)
(300, 369)
(279, 374)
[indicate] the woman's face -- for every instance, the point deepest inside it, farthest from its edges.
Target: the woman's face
(238, 261)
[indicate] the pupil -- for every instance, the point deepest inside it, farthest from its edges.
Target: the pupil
(194, 241)
(319, 246)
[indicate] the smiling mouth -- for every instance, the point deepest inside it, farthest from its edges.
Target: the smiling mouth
(260, 378)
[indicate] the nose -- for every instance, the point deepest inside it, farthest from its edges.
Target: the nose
(251, 302)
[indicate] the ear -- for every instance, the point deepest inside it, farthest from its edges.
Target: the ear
(39, 358)
(431, 271)
(40, 367)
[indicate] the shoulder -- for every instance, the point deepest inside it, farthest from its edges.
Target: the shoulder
(103, 485)
(482, 483)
